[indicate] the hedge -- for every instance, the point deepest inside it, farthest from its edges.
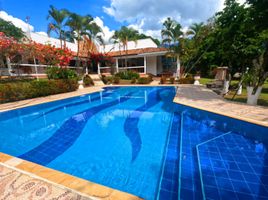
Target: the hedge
(144, 80)
(127, 75)
(25, 90)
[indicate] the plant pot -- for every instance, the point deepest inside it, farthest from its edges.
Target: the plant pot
(196, 80)
(81, 84)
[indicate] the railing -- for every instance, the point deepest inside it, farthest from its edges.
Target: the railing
(139, 69)
(31, 70)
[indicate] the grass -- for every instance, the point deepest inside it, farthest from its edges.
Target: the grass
(263, 99)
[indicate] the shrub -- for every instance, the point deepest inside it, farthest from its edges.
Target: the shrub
(14, 79)
(87, 80)
(187, 80)
(144, 80)
(172, 80)
(127, 75)
(107, 79)
(133, 80)
(116, 80)
(26, 90)
(150, 77)
(60, 73)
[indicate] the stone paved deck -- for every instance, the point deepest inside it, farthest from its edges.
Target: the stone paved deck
(17, 185)
(205, 99)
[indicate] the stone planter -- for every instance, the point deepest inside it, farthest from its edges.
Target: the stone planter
(196, 80)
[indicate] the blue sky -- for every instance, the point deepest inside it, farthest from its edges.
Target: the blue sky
(146, 16)
(38, 10)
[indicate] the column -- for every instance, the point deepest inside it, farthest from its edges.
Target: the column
(145, 65)
(99, 68)
(116, 64)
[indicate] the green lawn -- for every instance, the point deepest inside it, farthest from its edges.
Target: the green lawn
(263, 99)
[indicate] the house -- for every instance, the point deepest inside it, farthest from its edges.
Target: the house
(142, 56)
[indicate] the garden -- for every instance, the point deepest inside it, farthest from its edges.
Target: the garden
(59, 78)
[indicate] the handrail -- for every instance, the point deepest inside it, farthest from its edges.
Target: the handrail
(38, 65)
(130, 67)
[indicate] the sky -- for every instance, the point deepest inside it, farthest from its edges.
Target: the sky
(146, 16)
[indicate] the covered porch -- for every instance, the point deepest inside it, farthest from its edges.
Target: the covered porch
(139, 60)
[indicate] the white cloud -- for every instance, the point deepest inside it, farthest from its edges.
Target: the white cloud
(107, 33)
(16, 21)
(42, 33)
(147, 16)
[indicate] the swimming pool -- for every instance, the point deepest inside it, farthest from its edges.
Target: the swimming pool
(137, 140)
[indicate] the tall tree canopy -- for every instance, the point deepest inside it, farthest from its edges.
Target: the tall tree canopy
(57, 24)
(80, 27)
(11, 30)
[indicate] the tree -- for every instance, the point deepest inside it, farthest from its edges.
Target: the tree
(10, 30)
(82, 26)
(123, 36)
(173, 36)
(195, 29)
(258, 47)
(58, 22)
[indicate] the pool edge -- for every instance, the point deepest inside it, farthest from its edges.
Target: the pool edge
(246, 119)
(71, 182)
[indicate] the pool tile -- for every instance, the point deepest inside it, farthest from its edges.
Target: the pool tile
(241, 181)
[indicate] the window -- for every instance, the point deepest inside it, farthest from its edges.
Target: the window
(131, 62)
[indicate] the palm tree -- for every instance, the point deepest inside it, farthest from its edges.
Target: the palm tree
(82, 26)
(58, 22)
(166, 31)
(195, 29)
(173, 35)
(123, 36)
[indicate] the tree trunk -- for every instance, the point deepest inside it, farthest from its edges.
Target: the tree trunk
(60, 40)
(252, 98)
(35, 67)
(9, 66)
(239, 91)
(77, 55)
(126, 56)
(226, 85)
(178, 70)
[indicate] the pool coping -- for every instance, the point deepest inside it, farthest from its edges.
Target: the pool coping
(73, 183)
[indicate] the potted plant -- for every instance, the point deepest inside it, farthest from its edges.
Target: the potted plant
(197, 78)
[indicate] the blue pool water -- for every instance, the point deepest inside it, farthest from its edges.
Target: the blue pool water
(135, 139)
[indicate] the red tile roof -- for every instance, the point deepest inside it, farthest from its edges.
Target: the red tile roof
(136, 51)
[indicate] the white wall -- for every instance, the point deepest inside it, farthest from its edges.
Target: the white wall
(159, 65)
(152, 65)
(42, 39)
(143, 43)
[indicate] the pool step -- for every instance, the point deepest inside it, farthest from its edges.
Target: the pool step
(168, 186)
(96, 79)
